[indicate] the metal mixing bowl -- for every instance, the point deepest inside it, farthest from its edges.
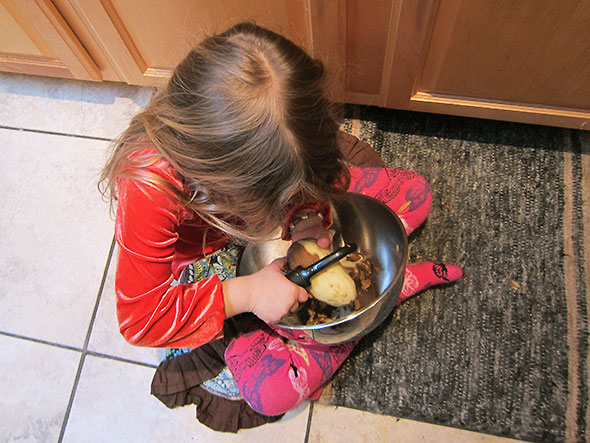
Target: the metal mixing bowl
(380, 237)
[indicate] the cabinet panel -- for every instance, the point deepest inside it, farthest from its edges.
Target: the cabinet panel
(37, 40)
(14, 39)
(82, 33)
(530, 51)
(525, 61)
(143, 40)
(366, 42)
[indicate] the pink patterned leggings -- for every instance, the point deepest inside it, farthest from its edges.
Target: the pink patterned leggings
(274, 374)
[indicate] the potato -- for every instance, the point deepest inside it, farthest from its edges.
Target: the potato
(304, 253)
(334, 285)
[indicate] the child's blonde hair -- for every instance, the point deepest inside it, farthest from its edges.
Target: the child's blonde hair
(245, 122)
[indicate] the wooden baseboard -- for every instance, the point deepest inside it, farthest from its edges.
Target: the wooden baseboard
(500, 110)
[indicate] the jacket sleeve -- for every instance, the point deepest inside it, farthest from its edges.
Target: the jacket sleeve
(152, 312)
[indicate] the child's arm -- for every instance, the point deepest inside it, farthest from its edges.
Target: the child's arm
(150, 311)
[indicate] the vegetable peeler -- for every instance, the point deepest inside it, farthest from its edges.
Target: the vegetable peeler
(302, 276)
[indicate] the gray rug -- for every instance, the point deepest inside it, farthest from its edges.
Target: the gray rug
(505, 350)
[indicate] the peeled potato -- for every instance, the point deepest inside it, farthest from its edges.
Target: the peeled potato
(333, 285)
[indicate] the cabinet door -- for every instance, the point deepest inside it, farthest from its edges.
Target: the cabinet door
(35, 39)
(143, 40)
(525, 60)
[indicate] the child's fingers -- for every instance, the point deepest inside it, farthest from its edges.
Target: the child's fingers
(324, 240)
(278, 263)
(294, 307)
(422, 275)
(322, 236)
(303, 296)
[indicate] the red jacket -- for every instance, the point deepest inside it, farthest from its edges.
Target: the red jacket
(157, 238)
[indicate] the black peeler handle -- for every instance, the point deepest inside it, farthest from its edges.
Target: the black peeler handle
(302, 276)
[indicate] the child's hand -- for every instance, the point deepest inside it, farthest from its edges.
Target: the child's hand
(312, 227)
(268, 294)
(273, 295)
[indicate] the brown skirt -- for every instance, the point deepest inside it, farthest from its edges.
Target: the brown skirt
(178, 382)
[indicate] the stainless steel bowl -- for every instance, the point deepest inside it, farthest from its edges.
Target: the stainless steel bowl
(380, 236)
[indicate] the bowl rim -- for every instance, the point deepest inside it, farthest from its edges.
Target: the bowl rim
(399, 274)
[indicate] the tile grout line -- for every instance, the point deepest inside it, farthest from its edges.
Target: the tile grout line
(74, 348)
(41, 131)
(120, 359)
(86, 341)
(40, 341)
(309, 415)
(99, 296)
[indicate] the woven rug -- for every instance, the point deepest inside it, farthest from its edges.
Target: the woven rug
(505, 350)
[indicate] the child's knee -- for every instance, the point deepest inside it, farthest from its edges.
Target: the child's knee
(275, 396)
(387, 184)
(260, 364)
(409, 195)
(418, 178)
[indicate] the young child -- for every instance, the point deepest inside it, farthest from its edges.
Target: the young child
(243, 140)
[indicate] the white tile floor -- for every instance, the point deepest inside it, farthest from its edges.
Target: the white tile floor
(67, 375)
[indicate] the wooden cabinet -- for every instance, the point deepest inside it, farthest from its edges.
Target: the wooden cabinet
(35, 39)
(519, 60)
(523, 60)
(141, 41)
